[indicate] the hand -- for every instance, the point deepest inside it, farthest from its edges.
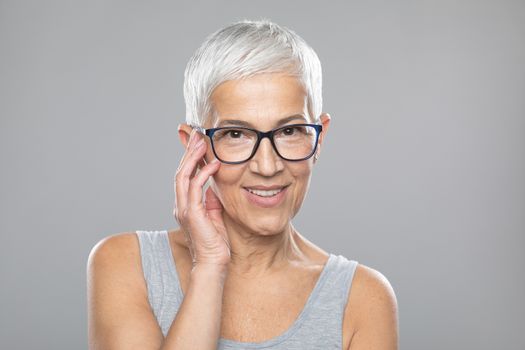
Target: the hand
(202, 223)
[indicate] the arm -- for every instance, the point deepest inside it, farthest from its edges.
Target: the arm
(197, 324)
(119, 314)
(377, 312)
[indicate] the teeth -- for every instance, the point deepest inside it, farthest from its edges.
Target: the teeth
(265, 193)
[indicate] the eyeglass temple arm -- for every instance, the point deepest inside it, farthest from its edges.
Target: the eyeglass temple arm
(199, 129)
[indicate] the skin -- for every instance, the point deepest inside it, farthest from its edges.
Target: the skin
(266, 250)
(265, 247)
(262, 240)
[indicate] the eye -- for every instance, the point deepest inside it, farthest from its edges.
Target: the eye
(230, 134)
(289, 131)
(294, 130)
(235, 134)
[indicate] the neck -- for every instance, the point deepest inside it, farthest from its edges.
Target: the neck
(254, 254)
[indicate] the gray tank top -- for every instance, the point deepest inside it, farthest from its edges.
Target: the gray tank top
(318, 326)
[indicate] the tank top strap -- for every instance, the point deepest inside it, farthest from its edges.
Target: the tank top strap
(323, 328)
(160, 274)
(319, 325)
(339, 282)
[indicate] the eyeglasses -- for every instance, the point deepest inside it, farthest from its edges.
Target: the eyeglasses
(235, 144)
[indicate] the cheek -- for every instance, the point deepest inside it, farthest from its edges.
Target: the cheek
(301, 170)
(301, 176)
(227, 176)
(227, 184)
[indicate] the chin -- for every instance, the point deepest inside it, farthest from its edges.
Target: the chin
(267, 225)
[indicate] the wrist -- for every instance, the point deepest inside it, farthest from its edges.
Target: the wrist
(209, 270)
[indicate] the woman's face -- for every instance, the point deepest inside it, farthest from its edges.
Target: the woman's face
(262, 101)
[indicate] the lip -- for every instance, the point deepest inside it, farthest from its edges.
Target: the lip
(266, 202)
(266, 188)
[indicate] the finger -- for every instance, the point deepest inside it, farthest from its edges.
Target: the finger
(193, 160)
(214, 209)
(197, 183)
(188, 149)
(184, 172)
(178, 181)
(213, 206)
(212, 201)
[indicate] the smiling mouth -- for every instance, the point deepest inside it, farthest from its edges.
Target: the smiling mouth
(266, 198)
(262, 193)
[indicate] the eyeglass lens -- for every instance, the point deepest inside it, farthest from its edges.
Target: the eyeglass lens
(237, 144)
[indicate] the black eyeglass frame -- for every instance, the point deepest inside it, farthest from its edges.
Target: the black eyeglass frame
(260, 135)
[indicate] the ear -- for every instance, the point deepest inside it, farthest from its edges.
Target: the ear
(325, 121)
(184, 134)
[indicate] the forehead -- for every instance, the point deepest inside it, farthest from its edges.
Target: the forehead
(261, 100)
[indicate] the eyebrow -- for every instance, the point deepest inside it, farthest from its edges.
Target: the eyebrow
(249, 125)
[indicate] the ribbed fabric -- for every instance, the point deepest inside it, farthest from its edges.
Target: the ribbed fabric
(318, 326)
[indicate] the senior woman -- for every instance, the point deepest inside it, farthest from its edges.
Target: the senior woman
(237, 274)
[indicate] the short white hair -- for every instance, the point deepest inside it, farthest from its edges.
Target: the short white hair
(243, 49)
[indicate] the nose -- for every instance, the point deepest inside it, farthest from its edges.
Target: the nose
(265, 160)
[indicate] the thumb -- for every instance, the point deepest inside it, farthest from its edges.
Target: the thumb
(214, 209)
(212, 203)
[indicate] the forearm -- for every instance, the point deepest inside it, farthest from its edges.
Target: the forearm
(198, 320)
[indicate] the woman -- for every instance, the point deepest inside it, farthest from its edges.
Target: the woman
(237, 274)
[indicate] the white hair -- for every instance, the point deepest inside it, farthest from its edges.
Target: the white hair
(243, 49)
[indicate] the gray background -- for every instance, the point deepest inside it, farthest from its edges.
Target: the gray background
(422, 174)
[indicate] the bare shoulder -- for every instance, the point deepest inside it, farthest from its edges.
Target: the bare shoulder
(115, 243)
(373, 284)
(373, 311)
(119, 253)
(119, 314)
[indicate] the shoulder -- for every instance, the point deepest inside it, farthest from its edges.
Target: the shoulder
(117, 254)
(372, 308)
(369, 281)
(119, 314)
(115, 246)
